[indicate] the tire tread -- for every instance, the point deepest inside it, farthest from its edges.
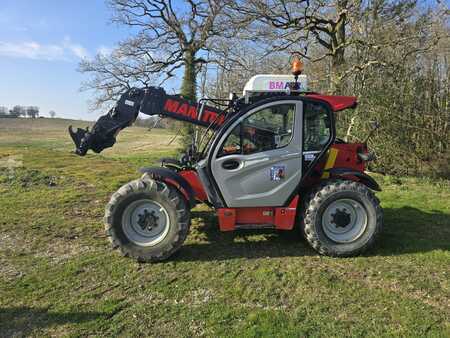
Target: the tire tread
(310, 211)
(147, 184)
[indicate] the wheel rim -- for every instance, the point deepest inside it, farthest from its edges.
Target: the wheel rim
(145, 222)
(344, 220)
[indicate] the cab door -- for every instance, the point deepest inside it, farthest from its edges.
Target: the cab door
(258, 161)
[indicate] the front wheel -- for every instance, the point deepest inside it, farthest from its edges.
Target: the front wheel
(147, 219)
(342, 218)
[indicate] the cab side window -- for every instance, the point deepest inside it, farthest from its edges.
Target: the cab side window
(267, 129)
(316, 126)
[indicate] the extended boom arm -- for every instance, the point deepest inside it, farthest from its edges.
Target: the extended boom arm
(149, 101)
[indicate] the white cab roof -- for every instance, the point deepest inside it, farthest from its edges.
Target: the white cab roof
(267, 83)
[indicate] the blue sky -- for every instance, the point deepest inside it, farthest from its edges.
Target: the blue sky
(41, 44)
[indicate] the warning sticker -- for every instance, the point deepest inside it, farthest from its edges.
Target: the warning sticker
(277, 172)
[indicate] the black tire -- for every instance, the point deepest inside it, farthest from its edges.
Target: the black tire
(147, 189)
(340, 190)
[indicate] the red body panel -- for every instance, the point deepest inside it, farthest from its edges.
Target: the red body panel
(280, 218)
(285, 217)
(227, 219)
(347, 156)
(336, 102)
(192, 177)
(176, 185)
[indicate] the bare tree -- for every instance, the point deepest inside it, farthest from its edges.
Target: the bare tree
(394, 56)
(19, 111)
(32, 111)
(324, 30)
(171, 35)
(3, 110)
(111, 75)
(237, 65)
(52, 113)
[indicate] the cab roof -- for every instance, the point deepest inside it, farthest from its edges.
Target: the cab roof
(336, 102)
(273, 84)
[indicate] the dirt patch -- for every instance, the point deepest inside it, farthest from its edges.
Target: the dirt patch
(397, 287)
(59, 251)
(441, 303)
(62, 251)
(9, 272)
(27, 178)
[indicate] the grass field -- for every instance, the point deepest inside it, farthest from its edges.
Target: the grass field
(59, 277)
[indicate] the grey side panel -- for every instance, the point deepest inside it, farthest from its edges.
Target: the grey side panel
(207, 185)
(250, 184)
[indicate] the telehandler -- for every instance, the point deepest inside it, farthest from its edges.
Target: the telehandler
(268, 159)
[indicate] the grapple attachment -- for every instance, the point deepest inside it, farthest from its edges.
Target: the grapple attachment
(104, 131)
(99, 138)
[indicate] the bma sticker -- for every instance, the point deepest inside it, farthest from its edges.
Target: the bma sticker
(277, 172)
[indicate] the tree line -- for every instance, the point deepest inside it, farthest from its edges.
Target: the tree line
(20, 111)
(392, 54)
(23, 111)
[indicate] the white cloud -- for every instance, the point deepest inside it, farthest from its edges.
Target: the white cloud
(105, 51)
(77, 49)
(31, 50)
(66, 50)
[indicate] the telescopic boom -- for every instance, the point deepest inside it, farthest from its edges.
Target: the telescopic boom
(149, 101)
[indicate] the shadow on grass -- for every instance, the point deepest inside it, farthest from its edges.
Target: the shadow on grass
(411, 230)
(407, 230)
(22, 321)
(240, 243)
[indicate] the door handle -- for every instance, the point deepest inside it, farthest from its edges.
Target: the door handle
(230, 164)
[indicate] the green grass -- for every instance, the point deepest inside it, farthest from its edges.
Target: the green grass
(58, 275)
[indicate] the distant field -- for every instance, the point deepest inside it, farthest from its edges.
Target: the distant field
(135, 143)
(59, 277)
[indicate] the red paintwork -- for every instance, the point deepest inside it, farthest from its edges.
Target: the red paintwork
(227, 219)
(258, 215)
(285, 217)
(282, 218)
(336, 102)
(347, 156)
(192, 177)
(179, 107)
(176, 185)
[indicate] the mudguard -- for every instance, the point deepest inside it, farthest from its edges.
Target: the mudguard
(171, 177)
(363, 178)
(171, 163)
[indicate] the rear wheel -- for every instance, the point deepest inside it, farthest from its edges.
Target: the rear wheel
(147, 219)
(342, 218)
